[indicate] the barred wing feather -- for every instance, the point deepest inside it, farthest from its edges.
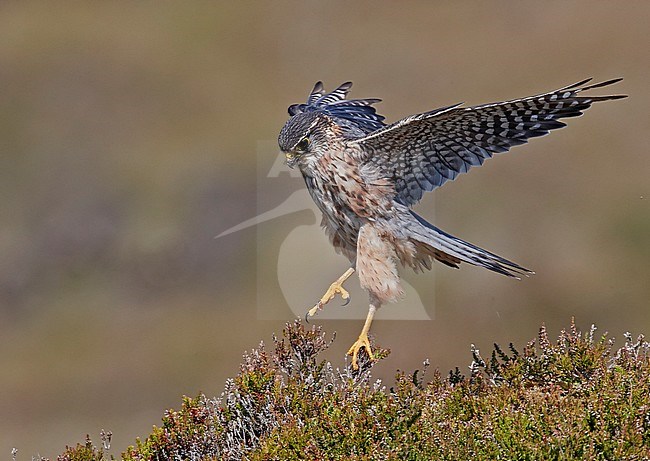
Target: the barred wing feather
(421, 152)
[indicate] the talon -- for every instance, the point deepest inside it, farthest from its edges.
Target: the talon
(311, 312)
(334, 289)
(362, 342)
(346, 301)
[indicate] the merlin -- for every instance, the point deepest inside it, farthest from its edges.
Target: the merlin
(365, 176)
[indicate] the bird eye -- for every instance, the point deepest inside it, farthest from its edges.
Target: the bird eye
(302, 145)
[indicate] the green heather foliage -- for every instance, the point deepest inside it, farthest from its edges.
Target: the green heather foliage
(572, 399)
(85, 452)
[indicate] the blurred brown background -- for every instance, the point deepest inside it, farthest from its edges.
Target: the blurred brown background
(129, 135)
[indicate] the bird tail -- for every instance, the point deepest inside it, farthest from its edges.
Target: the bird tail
(432, 242)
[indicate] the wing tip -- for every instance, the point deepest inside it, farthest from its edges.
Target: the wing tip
(579, 86)
(576, 85)
(518, 272)
(601, 84)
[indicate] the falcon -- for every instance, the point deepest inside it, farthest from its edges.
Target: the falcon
(365, 176)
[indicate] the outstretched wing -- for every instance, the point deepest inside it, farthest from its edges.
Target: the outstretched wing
(422, 152)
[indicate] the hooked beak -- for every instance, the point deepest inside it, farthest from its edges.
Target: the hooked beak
(291, 159)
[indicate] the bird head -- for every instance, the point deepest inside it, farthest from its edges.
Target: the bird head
(325, 120)
(305, 137)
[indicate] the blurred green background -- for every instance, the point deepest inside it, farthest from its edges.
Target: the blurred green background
(129, 135)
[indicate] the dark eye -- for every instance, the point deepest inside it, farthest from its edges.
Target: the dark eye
(302, 145)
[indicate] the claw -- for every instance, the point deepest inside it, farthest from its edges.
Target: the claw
(346, 300)
(334, 289)
(311, 312)
(362, 343)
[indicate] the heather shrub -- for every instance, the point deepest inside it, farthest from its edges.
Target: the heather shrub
(573, 398)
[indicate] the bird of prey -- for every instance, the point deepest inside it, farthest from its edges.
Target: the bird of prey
(365, 176)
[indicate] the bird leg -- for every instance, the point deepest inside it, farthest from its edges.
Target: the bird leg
(334, 289)
(363, 340)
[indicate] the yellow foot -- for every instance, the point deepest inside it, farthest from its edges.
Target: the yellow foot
(357, 346)
(334, 289)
